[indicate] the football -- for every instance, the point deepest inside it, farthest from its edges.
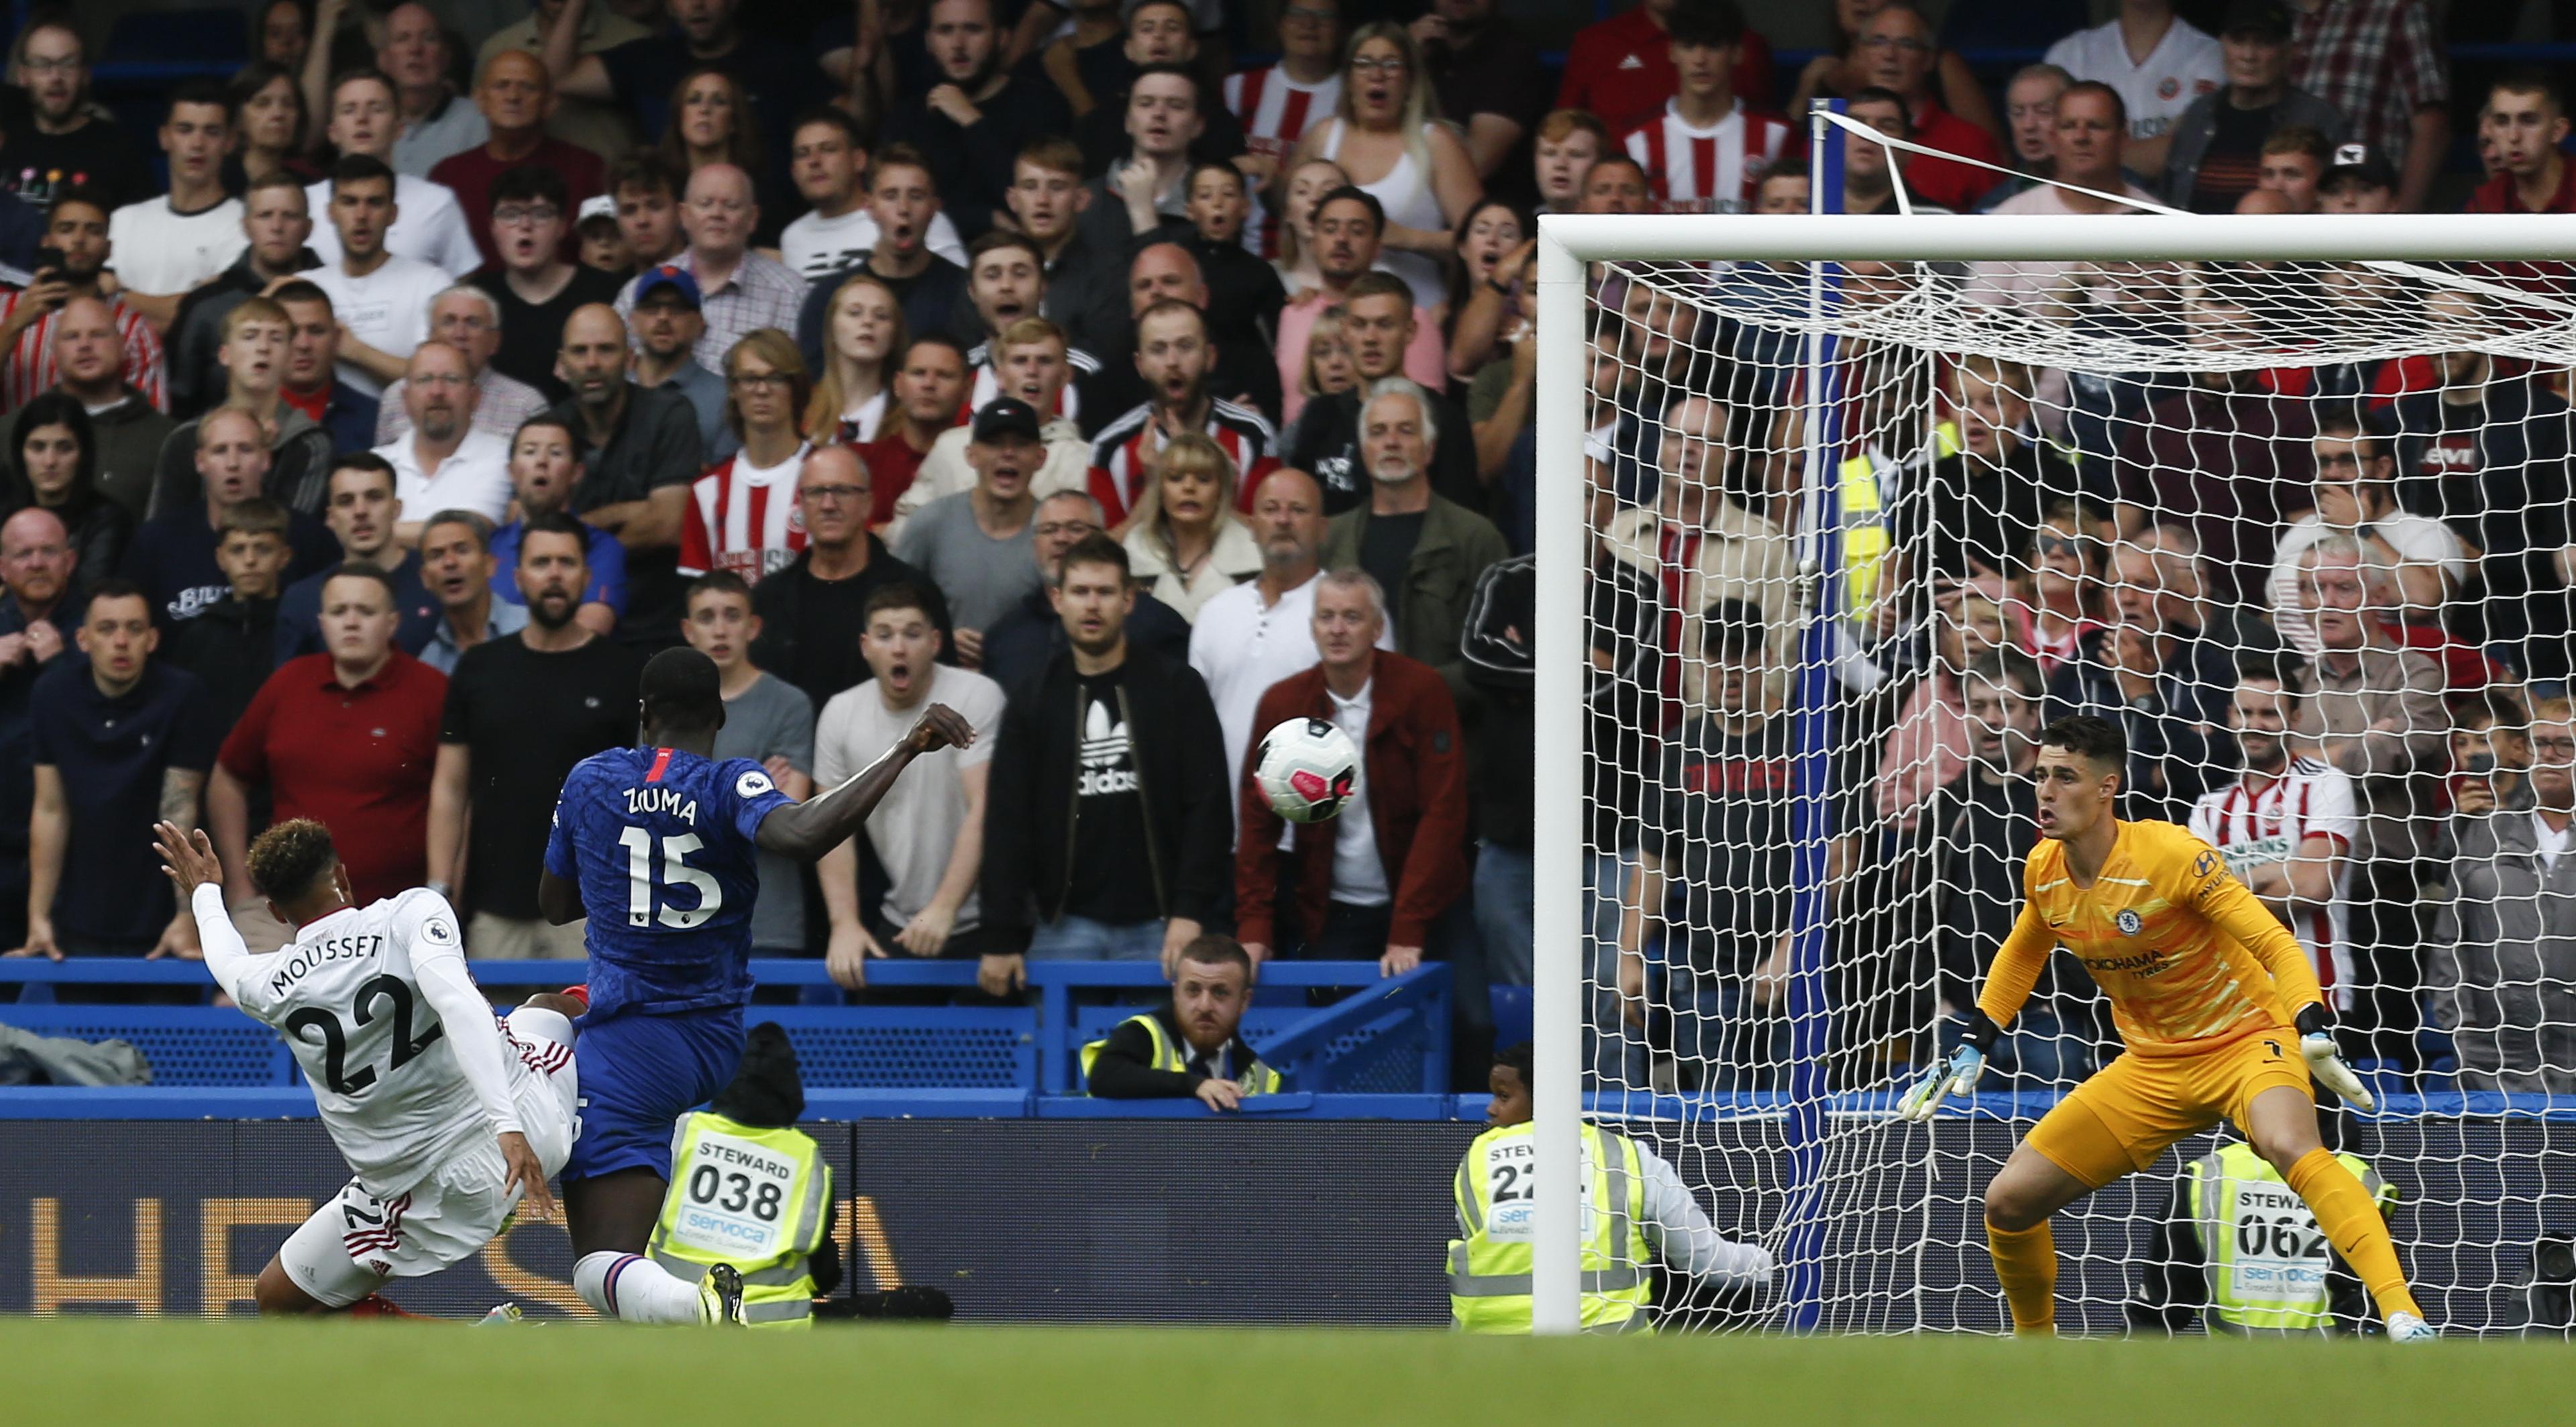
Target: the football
(1307, 767)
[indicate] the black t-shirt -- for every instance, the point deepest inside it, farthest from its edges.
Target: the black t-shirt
(1500, 74)
(934, 304)
(1111, 880)
(1971, 515)
(655, 446)
(810, 627)
(779, 80)
(97, 155)
(112, 753)
(2233, 166)
(1386, 552)
(1718, 817)
(532, 333)
(526, 718)
(1328, 447)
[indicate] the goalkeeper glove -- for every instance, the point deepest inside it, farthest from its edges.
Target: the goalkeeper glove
(2325, 1060)
(1957, 1077)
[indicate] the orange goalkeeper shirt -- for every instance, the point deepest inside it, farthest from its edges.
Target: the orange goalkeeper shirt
(2190, 959)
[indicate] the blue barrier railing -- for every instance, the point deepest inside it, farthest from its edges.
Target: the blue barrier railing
(280, 1102)
(1385, 1035)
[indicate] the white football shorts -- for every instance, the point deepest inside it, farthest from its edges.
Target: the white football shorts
(352, 1244)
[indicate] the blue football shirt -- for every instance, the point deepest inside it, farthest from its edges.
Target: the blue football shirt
(660, 841)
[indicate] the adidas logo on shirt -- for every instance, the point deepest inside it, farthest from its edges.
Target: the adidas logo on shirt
(1108, 765)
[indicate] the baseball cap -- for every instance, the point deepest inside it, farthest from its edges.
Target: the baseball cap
(602, 206)
(679, 280)
(2256, 17)
(1006, 416)
(2357, 162)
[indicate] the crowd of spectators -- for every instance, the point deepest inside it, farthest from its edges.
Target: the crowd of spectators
(1037, 359)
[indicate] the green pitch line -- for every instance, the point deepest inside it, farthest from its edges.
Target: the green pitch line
(171, 1373)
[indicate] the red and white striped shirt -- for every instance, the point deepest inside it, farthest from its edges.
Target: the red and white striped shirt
(743, 518)
(1276, 111)
(1118, 454)
(1711, 170)
(2258, 820)
(30, 367)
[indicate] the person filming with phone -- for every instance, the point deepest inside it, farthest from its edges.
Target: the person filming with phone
(71, 264)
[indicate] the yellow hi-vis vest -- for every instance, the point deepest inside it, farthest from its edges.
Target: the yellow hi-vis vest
(1257, 1078)
(1866, 536)
(756, 1199)
(1489, 1266)
(2264, 1254)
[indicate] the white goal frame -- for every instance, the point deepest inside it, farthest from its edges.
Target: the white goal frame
(1567, 242)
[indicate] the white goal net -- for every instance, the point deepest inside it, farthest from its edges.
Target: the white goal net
(1844, 535)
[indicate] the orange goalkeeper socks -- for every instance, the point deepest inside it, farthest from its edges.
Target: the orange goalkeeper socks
(2353, 1224)
(2026, 1265)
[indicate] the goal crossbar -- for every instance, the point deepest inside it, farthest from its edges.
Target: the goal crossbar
(1948, 237)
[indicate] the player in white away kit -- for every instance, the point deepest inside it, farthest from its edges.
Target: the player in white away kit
(447, 1119)
(2286, 826)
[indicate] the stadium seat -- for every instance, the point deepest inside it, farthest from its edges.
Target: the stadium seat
(2013, 24)
(909, 1048)
(212, 36)
(187, 1045)
(1513, 1016)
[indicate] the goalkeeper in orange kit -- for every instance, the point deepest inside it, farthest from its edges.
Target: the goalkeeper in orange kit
(2216, 1001)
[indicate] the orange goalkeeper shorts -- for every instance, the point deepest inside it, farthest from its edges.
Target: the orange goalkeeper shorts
(2133, 1109)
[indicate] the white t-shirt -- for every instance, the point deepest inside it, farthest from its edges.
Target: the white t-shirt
(2183, 66)
(913, 829)
(2552, 843)
(2417, 539)
(815, 247)
(2253, 827)
(475, 477)
(388, 309)
(1359, 874)
(1240, 649)
(158, 250)
(429, 226)
(406, 1063)
(2022, 283)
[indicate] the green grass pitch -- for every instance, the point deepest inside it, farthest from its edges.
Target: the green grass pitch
(376, 1374)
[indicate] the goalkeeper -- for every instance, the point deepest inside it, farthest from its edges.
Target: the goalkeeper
(2219, 1008)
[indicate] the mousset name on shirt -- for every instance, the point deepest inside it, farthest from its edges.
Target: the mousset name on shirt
(643, 801)
(309, 955)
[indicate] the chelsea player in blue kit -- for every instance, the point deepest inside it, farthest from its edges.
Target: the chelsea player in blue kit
(658, 845)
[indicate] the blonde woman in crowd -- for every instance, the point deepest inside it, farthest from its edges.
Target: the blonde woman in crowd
(1385, 135)
(1186, 543)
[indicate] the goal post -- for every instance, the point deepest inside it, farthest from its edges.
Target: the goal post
(1821, 1123)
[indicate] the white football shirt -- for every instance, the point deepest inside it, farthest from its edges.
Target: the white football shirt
(401, 1087)
(2183, 66)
